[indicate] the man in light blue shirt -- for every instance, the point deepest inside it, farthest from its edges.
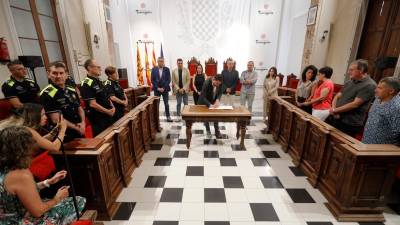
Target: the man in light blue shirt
(383, 124)
(248, 80)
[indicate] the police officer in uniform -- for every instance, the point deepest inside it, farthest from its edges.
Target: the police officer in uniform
(116, 92)
(60, 99)
(93, 91)
(18, 89)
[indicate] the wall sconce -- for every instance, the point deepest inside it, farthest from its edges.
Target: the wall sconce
(322, 39)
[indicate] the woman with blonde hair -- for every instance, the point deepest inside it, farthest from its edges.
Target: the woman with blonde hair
(271, 84)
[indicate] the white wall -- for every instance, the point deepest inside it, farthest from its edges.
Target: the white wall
(122, 36)
(342, 36)
(5, 31)
(74, 14)
(292, 36)
(325, 17)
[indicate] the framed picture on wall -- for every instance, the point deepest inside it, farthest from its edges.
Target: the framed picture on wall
(312, 15)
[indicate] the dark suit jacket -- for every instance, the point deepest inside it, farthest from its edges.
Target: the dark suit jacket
(206, 96)
(163, 82)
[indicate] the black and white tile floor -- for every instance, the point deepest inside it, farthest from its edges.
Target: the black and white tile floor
(215, 184)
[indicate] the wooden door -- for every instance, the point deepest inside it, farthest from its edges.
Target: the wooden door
(381, 36)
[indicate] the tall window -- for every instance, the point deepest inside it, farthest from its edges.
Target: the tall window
(38, 32)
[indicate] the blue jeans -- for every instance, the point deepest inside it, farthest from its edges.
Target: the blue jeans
(179, 98)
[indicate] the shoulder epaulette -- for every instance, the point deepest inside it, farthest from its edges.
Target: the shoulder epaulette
(50, 90)
(87, 81)
(107, 82)
(10, 82)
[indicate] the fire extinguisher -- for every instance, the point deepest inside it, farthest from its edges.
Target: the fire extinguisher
(4, 54)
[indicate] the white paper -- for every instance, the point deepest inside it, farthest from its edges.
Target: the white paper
(223, 107)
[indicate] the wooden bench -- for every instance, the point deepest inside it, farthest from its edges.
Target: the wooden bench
(354, 177)
(103, 165)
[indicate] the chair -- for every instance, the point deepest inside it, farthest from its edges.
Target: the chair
(337, 88)
(281, 76)
(124, 83)
(5, 107)
(289, 78)
(192, 66)
(211, 67)
(238, 84)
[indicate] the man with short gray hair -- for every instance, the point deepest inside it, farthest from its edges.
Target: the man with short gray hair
(350, 105)
(248, 80)
(383, 124)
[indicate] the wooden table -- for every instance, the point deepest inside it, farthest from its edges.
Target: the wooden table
(201, 113)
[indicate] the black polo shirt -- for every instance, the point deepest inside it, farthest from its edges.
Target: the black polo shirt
(58, 100)
(26, 91)
(114, 89)
(364, 89)
(93, 88)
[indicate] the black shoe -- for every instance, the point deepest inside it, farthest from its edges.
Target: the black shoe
(169, 119)
(218, 135)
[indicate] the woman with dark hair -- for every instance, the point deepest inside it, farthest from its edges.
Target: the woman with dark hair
(20, 202)
(271, 85)
(305, 85)
(34, 118)
(198, 82)
(321, 100)
(116, 92)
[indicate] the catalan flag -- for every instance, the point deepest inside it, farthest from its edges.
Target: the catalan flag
(139, 67)
(147, 64)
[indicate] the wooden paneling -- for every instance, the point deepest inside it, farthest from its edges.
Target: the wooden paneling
(286, 126)
(297, 137)
(355, 178)
(381, 35)
(100, 171)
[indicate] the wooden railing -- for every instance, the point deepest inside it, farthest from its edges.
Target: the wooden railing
(354, 177)
(102, 166)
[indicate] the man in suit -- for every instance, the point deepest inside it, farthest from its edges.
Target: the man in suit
(180, 84)
(230, 76)
(210, 96)
(160, 79)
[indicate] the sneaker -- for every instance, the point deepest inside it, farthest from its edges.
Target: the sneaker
(169, 119)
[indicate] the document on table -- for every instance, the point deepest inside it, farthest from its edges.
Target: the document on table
(223, 107)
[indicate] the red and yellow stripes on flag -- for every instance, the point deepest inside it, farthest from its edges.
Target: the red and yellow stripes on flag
(154, 58)
(147, 64)
(139, 67)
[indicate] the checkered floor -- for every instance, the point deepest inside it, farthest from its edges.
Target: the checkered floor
(214, 183)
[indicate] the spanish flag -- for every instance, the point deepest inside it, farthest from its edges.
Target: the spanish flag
(146, 60)
(139, 67)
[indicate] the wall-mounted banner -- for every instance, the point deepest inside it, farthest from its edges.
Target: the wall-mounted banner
(265, 10)
(142, 9)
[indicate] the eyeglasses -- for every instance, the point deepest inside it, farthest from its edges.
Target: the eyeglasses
(98, 67)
